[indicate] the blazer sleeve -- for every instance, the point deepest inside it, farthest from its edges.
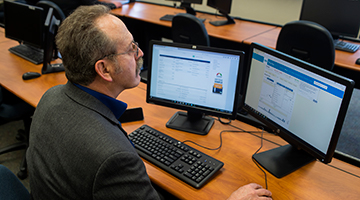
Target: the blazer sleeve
(123, 176)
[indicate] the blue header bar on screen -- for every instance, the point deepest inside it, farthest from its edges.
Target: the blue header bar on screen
(312, 81)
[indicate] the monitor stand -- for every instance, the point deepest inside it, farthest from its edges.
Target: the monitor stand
(283, 160)
(229, 20)
(52, 68)
(191, 122)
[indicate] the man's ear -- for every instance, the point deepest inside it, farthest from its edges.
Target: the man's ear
(102, 68)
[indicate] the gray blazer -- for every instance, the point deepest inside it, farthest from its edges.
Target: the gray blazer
(78, 150)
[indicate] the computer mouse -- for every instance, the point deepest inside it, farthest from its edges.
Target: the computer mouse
(30, 75)
(357, 61)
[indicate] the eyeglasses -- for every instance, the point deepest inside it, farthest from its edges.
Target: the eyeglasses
(134, 46)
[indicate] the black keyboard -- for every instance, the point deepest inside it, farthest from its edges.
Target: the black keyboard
(29, 53)
(167, 18)
(180, 160)
(346, 46)
(170, 17)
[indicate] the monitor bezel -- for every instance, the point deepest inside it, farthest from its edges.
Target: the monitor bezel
(291, 138)
(237, 99)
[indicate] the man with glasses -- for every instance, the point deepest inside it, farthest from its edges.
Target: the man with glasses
(78, 149)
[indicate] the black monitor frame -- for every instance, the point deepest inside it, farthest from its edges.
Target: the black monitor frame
(340, 17)
(286, 159)
(224, 7)
(195, 120)
(187, 5)
(26, 30)
(50, 51)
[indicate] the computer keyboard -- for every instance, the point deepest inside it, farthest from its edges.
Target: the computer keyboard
(170, 17)
(346, 46)
(180, 160)
(167, 18)
(29, 53)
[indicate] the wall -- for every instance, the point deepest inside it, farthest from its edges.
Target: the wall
(270, 11)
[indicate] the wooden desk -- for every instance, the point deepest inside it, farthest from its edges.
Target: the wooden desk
(13, 67)
(151, 13)
(241, 32)
(342, 59)
(314, 181)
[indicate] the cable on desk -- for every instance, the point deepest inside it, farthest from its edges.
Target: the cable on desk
(221, 121)
(208, 147)
(252, 157)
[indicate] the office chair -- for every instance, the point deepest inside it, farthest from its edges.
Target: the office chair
(307, 41)
(58, 13)
(13, 109)
(11, 187)
(187, 28)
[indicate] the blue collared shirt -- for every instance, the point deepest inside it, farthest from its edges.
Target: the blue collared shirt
(116, 106)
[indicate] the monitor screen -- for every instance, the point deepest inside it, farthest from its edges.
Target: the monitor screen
(224, 7)
(200, 80)
(304, 104)
(340, 17)
(24, 23)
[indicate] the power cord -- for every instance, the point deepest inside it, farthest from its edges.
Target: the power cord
(234, 131)
(252, 157)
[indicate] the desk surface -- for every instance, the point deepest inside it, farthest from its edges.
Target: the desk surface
(342, 58)
(241, 32)
(151, 13)
(314, 181)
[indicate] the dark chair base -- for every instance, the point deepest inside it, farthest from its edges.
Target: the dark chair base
(23, 144)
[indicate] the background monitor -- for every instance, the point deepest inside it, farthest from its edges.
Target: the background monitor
(304, 104)
(24, 23)
(187, 5)
(50, 51)
(340, 17)
(200, 80)
(224, 7)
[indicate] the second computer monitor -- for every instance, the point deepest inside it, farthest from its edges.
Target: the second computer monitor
(304, 104)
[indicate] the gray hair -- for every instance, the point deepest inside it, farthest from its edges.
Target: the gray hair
(81, 43)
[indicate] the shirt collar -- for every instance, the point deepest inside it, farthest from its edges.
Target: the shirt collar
(116, 106)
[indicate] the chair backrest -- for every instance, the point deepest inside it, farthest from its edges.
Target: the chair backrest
(187, 28)
(10, 186)
(307, 41)
(58, 13)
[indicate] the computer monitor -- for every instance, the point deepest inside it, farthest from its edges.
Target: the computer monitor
(24, 23)
(340, 17)
(50, 51)
(187, 5)
(302, 103)
(200, 80)
(224, 7)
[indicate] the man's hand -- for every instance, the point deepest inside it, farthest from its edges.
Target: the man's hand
(251, 191)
